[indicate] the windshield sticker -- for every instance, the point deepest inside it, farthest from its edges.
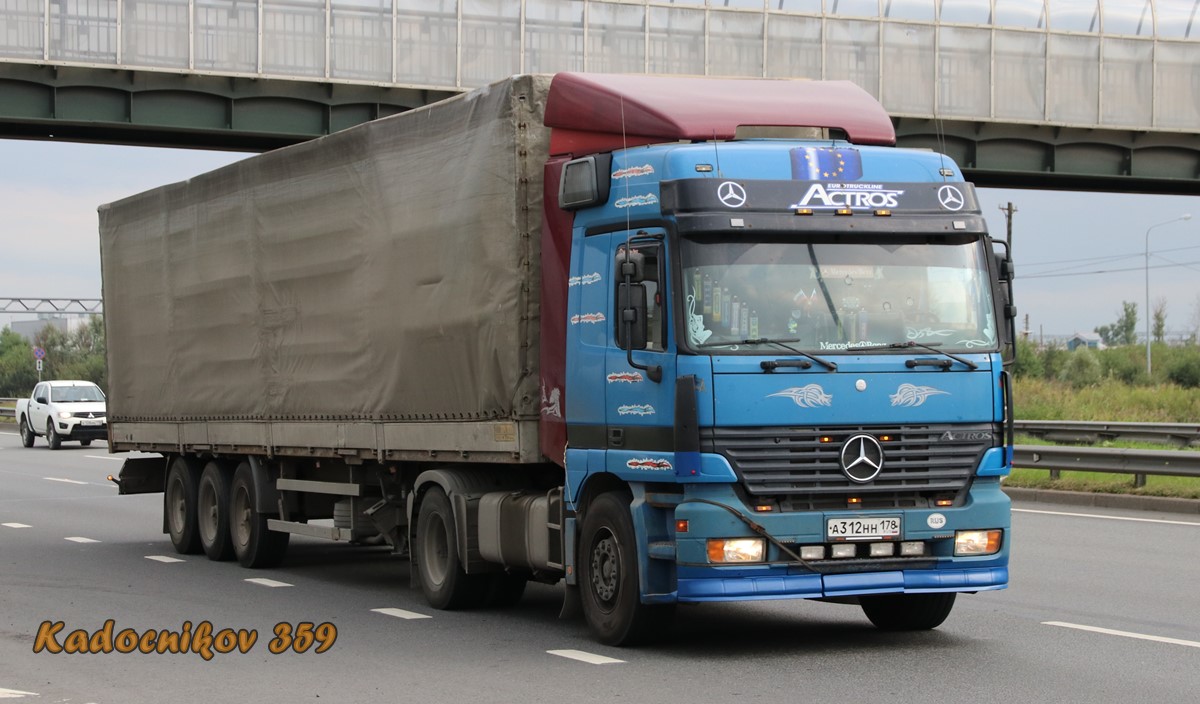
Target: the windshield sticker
(826, 163)
(587, 318)
(633, 201)
(856, 196)
(825, 345)
(632, 171)
(911, 395)
(552, 403)
(914, 333)
(650, 463)
(809, 396)
(696, 331)
(593, 278)
(643, 409)
(625, 378)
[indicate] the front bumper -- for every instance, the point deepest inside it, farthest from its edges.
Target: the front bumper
(73, 430)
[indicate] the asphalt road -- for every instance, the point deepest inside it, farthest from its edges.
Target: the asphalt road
(1104, 607)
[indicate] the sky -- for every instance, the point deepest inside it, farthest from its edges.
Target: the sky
(1078, 255)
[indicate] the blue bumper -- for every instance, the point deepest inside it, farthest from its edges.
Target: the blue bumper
(743, 587)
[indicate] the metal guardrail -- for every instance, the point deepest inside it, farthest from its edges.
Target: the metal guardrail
(1098, 431)
(8, 408)
(1171, 463)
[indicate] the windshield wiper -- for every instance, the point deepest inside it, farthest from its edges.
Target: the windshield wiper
(775, 364)
(916, 362)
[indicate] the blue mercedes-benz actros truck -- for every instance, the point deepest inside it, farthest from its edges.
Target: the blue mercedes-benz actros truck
(665, 340)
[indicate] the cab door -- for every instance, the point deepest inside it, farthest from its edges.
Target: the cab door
(640, 396)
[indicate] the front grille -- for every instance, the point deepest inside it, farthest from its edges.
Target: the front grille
(796, 469)
(88, 414)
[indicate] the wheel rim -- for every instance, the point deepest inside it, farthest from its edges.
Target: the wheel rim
(206, 511)
(435, 549)
(241, 512)
(176, 508)
(24, 430)
(606, 568)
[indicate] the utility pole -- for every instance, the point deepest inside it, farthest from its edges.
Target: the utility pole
(1008, 211)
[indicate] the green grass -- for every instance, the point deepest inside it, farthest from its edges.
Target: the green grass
(1105, 483)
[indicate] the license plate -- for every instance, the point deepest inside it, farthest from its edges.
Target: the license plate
(91, 422)
(863, 528)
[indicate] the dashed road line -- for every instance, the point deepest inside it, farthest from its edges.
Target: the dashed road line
(401, 613)
(267, 582)
(164, 558)
(78, 539)
(1123, 634)
(65, 481)
(1110, 518)
(590, 658)
(15, 525)
(15, 694)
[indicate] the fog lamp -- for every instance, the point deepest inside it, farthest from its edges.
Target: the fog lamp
(912, 549)
(883, 549)
(844, 550)
(736, 549)
(977, 542)
(812, 552)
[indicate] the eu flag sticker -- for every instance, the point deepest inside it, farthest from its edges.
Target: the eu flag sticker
(826, 164)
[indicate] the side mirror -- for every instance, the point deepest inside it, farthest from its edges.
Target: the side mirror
(41, 399)
(631, 327)
(1005, 270)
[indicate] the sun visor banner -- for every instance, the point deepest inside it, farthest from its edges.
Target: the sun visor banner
(737, 195)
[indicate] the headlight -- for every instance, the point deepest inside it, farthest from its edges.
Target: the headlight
(736, 550)
(64, 414)
(977, 542)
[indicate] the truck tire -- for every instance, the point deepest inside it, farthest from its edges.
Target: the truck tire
(907, 612)
(212, 511)
(179, 506)
(254, 544)
(608, 576)
(27, 433)
(52, 437)
(444, 582)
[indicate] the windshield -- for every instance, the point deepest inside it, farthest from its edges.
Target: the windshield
(75, 394)
(828, 296)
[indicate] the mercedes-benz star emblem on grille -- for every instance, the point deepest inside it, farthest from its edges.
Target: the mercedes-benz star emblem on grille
(862, 458)
(732, 194)
(950, 198)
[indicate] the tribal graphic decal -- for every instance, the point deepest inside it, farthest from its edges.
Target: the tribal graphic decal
(809, 396)
(632, 171)
(587, 318)
(593, 278)
(625, 378)
(642, 409)
(650, 463)
(632, 201)
(910, 395)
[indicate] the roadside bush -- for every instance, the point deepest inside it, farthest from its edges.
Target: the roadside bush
(1028, 362)
(1054, 358)
(1126, 364)
(1185, 372)
(1082, 369)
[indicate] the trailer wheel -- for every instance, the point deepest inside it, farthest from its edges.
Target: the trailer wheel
(212, 511)
(254, 544)
(179, 505)
(608, 576)
(26, 433)
(52, 436)
(445, 584)
(907, 612)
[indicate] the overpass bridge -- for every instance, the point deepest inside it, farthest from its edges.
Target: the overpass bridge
(1082, 94)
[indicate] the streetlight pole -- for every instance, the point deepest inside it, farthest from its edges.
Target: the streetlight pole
(1185, 216)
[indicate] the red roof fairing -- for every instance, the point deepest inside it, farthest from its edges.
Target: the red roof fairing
(591, 112)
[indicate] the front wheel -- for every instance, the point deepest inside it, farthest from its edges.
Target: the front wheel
(52, 437)
(608, 576)
(26, 433)
(907, 612)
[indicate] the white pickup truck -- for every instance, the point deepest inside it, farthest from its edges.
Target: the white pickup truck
(63, 410)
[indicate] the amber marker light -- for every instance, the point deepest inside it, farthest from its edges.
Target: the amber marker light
(826, 438)
(843, 211)
(681, 525)
(885, 438)
(764, 509)
(804, 211)
(854, 500)
(883, 213)
(944, 502)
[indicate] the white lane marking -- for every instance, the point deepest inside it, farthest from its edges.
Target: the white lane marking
(15, 525)
(582, 656)
(82, 540)
(15, 694)
(401, 613)
(105, 457)
(1110, 518)
(65, 481)
(1125, 634)
(267, 582)
(163, 558)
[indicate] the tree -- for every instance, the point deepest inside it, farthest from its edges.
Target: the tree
(1124, 331)
(18, 369)
(1159, 325)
